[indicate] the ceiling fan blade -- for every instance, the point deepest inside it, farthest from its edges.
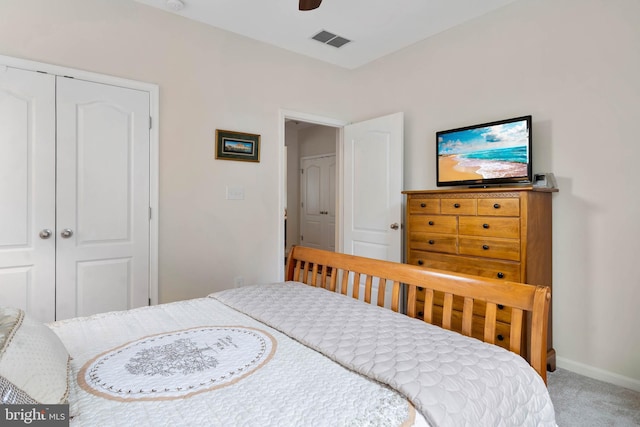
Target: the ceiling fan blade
(309, 4)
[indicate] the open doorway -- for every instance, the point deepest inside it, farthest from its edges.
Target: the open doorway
(311, 184)
(368, 194)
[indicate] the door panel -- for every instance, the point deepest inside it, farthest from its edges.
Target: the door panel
(27, 191)
(103, 198)
(103, 174)
(373, 157)
(110, 279)
(331, 203)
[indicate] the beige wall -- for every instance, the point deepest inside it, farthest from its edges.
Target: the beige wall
(208, 79)
(573, 65)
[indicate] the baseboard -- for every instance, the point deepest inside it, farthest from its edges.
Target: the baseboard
(598, 374)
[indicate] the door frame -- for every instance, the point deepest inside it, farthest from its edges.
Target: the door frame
(284, 115)
(154, 111)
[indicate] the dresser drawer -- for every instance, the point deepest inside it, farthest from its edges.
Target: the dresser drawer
(499, 207)
(490, 226)
(433, 242)
(490, 248)
(459, 206)
(434, 223)
(506, 270)
(426, 206)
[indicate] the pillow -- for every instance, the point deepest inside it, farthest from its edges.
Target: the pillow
(34, 364)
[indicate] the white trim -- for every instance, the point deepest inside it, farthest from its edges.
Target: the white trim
(598, 374)
(154, 145)
(283, 115)
(318, 156)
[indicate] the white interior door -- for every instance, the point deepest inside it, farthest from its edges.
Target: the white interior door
(27, 192)
(103, 198)
(372, 192)
(318, 202)
(372, 188)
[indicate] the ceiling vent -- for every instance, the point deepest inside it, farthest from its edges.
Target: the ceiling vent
(331, 39)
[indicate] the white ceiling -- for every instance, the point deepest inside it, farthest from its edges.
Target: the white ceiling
(376, 27)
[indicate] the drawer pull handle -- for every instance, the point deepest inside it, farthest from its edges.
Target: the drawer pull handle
(423, 205)
(500, 275)
(485, 247)
(456, 205)
(432, 242)
(485, 226)
(430, 222)
(421, 314)
(496, 205)
(420, 262)
(500, 307)
(500, 337)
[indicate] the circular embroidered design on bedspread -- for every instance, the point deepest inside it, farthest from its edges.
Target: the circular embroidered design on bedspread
(177, 364)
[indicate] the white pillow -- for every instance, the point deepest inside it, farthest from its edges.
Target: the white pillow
(34, 364)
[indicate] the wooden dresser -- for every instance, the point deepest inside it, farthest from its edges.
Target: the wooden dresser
(504, 233)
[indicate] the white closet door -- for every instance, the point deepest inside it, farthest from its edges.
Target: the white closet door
(103, 198)
(27, 192)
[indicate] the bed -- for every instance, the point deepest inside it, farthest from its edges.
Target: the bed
(328, 346)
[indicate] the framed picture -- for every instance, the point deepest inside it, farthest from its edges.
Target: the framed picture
(232, 145)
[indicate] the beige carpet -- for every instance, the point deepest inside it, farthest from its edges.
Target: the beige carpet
(585, 402)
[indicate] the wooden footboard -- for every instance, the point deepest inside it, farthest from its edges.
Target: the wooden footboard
(334, 271)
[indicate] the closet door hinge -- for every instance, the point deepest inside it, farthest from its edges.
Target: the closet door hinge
(150, 122)
(149, 212)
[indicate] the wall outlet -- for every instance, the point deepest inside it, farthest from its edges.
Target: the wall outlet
(238, 281)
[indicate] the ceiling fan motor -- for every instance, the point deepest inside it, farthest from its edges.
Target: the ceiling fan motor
(309, 4)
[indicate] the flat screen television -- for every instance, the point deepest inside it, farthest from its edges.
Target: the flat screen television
(485, 154)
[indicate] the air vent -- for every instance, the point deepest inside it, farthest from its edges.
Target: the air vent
(331, 39)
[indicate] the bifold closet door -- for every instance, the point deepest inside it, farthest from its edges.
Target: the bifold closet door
(27, 192)
(102, 254)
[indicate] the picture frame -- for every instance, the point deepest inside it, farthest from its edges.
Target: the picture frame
(231, 145)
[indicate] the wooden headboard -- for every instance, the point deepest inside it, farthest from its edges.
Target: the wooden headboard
(333, 271)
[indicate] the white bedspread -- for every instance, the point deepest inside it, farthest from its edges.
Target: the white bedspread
(452, 379)
(179, 364)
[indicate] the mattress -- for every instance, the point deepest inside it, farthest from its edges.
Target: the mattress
(201, 362)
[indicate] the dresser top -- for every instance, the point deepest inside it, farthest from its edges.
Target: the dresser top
(483, 190)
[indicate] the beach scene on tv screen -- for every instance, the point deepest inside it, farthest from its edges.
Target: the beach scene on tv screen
(491, 152)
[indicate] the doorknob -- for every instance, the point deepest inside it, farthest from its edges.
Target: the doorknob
(394, 226)
(45, 234)
(66, 233)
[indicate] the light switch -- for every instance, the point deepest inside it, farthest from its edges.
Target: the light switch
(235, 193)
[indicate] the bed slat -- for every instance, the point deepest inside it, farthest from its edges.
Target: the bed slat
(467, 316)
(367, 289)
(395, 298)
(428, 306)
(382, 289)
(447, 311)
(490, 323)
(516, 330)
